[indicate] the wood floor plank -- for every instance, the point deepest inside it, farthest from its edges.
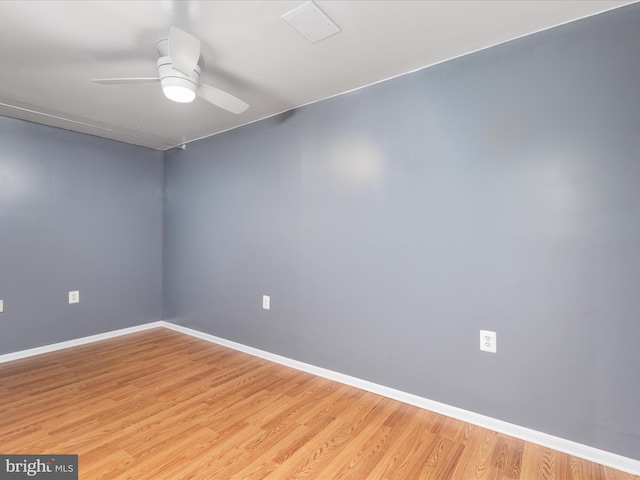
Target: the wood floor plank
(162, 405)
(475, 461)
(318, 451)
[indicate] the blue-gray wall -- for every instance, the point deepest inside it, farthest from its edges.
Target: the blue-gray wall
(76, 213)
(497, 191)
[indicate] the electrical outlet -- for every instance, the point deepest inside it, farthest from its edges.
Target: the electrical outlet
(488, 341)
(266, 302)
(74, 297)
(1, 306)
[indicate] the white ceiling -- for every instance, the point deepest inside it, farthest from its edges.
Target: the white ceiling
(49, 50)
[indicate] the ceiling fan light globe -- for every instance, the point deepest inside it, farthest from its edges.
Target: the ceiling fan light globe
(178, 90)
(179, 94)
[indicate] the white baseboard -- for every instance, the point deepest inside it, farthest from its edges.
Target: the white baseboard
(556, 443)
(8, 357)
(567, 446)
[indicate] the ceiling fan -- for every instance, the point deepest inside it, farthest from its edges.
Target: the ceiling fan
(179, 68)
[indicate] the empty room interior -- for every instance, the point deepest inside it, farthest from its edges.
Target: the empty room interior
(320, 240)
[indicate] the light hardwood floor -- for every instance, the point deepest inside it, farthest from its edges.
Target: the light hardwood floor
(163, 405)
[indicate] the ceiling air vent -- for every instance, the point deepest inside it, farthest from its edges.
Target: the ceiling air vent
(310, 22)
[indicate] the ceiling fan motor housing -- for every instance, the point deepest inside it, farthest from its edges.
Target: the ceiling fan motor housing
(176, 85)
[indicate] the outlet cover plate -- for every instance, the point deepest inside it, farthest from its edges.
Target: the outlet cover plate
(266, 302)
(488, 341)
(74, 296)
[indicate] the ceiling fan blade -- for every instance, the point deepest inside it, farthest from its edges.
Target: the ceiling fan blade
(124, 81)
(222, 99)
(184, 50)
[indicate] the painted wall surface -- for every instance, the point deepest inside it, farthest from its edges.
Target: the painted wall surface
(497, 191)
(76, 213)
